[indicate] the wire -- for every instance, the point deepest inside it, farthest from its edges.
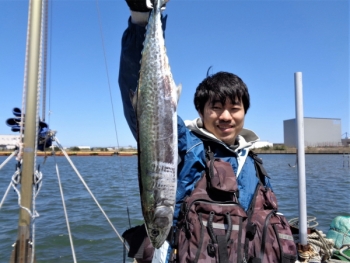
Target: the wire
(88, 189)
(65, 211)
(110, 95)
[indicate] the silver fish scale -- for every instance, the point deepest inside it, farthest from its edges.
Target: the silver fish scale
(157, 131)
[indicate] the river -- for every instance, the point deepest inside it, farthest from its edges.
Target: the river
(113, 181)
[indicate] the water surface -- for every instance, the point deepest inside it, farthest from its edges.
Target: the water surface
(113, 181)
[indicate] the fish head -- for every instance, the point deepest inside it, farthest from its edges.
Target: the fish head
(159, 229)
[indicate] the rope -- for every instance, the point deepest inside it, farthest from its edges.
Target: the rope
(19, 156)
(44, 19)
(50, 62)
(309, 254)
(65, 212)
(310, 220)
(16, 178)
(320, 247)
(326, 244)
(88, 189)
(37, 180)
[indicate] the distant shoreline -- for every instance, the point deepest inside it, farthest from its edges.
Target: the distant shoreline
(316, 150)
(78, 153)
(308, 150)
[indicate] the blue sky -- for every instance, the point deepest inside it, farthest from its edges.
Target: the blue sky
(264, 42)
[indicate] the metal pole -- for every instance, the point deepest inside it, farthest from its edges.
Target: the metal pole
(301, 157)
(23, 251)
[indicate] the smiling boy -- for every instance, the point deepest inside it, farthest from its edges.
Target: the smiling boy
(222, 101)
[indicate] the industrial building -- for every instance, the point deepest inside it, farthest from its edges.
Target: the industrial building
(318, 132)
(8, 141)
(346, 140)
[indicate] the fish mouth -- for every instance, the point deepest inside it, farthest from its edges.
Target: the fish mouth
(158, 236)
(161, 225)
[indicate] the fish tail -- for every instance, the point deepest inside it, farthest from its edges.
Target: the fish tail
(157, 5)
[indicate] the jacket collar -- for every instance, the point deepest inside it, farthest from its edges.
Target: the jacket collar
(245, 139)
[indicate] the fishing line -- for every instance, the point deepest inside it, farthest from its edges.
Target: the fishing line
(110, 95)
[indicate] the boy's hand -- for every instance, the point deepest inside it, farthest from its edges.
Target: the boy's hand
(142, 5)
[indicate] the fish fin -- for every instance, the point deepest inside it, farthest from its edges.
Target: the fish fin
(179, 90)
(133, 99)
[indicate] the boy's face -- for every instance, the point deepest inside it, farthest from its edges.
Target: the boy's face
(223, 121)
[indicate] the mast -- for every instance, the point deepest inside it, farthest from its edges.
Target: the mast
(23, 252)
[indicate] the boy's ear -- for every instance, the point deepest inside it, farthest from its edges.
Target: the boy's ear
(200, 115)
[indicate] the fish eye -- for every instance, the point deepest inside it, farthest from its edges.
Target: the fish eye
(154, 233)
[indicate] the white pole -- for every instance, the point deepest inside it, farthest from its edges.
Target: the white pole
(301, 157)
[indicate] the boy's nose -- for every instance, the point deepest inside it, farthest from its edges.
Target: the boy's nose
(225, 116)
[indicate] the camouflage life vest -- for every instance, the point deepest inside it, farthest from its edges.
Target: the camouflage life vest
(213, 227)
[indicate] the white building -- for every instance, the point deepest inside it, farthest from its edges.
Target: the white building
(8, 141)
(261, 144)
(84, 148)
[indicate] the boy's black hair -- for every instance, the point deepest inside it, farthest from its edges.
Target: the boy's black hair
(221, 86)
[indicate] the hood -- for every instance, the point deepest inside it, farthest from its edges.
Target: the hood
(245, 139)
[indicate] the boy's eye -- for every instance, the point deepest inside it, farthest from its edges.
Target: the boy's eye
(216, 105)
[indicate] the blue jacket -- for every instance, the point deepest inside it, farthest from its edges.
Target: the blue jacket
(190, 135)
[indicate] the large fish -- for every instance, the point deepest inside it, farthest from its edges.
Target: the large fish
(155, 102)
